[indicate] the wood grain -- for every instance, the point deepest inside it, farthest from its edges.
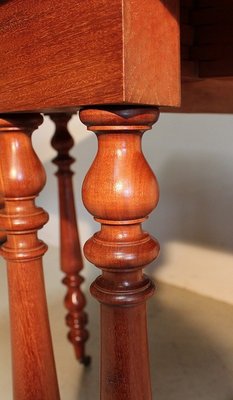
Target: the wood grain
(56, 58)
(2, 233)
(87, 52)
(34, 375)
(206, 96)
(120, 190)
(152, 52)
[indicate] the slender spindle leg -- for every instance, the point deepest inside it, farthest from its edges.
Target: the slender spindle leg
(120, 190)
(22, 177)
(71, 256)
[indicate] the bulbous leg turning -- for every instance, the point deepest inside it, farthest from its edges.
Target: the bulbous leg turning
(22, 177)
(120, 190)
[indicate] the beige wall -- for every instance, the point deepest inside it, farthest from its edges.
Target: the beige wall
(192, 156)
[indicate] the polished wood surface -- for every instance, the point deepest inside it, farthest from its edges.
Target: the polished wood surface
(103, 66)
(70, 250)
(109, 57)
(206, 96)
(151, 63)
(2, 233)
(34, 375)
(120, 190)
(83, 53)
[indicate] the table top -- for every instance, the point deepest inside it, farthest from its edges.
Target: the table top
(61, 57)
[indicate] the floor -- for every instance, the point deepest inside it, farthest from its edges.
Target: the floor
(191, 343)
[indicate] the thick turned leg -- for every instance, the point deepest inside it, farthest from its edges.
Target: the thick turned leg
(22, 178)
(71, 256)
(2, 232)
(120, 190)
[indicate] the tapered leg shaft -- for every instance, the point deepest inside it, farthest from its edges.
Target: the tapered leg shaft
(120, 190)
(71, 256)
(124, 349)
(22, 178)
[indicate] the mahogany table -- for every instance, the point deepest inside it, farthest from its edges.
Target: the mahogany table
(117, 62)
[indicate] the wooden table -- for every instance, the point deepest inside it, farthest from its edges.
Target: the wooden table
(118, 63)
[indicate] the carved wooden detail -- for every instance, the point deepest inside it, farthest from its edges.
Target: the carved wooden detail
(120, 190)
(22, 178)
(70, 251)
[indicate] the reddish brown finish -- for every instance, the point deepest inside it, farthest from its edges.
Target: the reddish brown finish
(70, 251)
(83, 53)
(207, 96)
(88, 52)
(34, 373)
(120, 190)
(103, 66)
(151, 56)
(2, 232)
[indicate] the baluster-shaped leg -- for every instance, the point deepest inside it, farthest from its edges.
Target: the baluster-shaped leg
(120, 190)
(71, 256)
(22, 177)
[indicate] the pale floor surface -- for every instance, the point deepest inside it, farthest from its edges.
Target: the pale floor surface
(191, 346)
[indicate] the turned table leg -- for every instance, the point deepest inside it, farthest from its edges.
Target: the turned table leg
(2, 232)
(71, 256)
(22, 177)
(120, 190)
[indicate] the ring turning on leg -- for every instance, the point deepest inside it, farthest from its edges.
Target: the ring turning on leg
(70, 250)
(22, 177)
(120, 190)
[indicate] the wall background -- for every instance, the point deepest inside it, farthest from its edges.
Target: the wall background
(192, 156)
